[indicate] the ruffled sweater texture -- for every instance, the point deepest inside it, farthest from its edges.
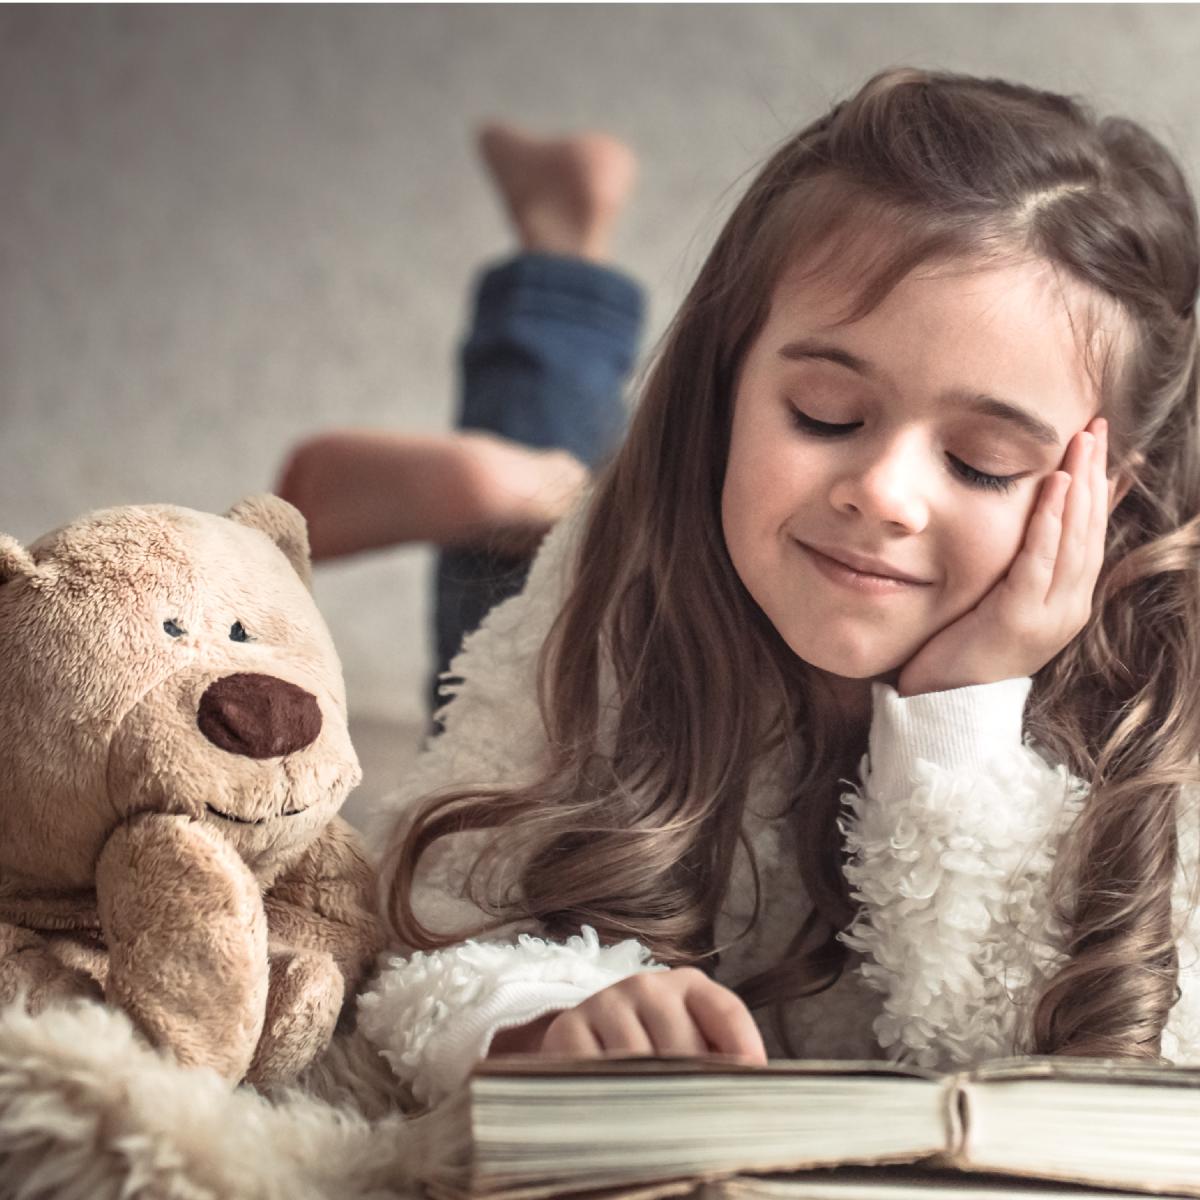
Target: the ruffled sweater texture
(952, 835)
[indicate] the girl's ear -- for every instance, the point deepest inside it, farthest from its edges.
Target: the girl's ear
(283, 524)
(15, 561)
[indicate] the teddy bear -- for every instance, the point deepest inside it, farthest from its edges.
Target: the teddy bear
(174, 750)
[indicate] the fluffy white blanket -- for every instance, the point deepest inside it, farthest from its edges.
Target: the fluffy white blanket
(89, 1112)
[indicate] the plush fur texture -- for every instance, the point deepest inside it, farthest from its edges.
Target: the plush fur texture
(173, 753)
(89, 1112)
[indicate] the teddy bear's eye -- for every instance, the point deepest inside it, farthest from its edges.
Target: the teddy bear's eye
(173, 628)
(237, 633)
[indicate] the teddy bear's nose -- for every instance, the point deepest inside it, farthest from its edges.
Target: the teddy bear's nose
(258, 716)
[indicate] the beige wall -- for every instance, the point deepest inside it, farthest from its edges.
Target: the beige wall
(222, 228)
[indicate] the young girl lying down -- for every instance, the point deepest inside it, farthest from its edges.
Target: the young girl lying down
(856, 710)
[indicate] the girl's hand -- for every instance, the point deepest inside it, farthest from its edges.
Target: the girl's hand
(675, 1014)
(1046, 597)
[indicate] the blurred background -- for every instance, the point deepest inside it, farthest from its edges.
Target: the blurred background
(225, 228)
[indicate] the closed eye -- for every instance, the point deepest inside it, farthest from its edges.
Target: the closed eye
(822, 428)
(981, 479)
(965, 472)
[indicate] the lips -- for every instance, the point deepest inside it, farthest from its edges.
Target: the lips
(865, 564)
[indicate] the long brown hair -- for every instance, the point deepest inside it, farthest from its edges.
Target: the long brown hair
(634, 822)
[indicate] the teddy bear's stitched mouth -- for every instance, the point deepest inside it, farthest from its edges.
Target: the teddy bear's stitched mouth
(216, 812)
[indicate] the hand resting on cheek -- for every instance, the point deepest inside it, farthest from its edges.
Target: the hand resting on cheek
(1045, 598)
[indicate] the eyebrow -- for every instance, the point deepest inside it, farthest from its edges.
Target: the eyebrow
(979, 402)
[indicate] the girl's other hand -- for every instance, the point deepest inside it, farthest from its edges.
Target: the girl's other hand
(1045, 599)
(674, 1014)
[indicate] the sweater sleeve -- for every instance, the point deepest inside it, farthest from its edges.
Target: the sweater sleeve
(432, 1015)
(950, 843)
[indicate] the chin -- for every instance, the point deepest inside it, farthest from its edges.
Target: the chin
(865, 663)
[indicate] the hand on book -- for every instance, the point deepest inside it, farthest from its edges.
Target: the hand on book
(674, 1014)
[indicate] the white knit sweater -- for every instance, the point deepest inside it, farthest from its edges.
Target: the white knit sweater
(952, 834)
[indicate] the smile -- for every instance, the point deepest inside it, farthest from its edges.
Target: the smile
(216, 812)
(859, 581)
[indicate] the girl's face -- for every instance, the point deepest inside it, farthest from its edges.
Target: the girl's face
(915, 439)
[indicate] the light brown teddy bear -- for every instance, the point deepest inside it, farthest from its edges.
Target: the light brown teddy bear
(173, 753)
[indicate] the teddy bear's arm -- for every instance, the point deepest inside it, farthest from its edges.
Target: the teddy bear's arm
(187, 938)
(326, 901)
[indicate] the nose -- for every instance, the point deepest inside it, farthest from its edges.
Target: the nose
(887, 485)
(258, 716)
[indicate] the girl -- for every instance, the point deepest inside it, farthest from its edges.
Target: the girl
(869, 520)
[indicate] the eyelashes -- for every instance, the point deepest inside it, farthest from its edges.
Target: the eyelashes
(981, 479)
(967, 473)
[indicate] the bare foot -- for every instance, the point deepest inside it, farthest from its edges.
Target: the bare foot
(519, 493)
(562, 194)
(361, 490)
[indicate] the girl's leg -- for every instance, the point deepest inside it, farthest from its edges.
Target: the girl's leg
(363, 489)
(553, 338)
(555, 329)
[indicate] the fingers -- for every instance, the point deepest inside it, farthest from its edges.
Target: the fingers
(725, 1022)
(1064, 544)
(1032, 572)
(570, 1035)
(1078, 550)
(1100, 502)
(680, 1013)
(673, 1031)
(619, 1030)
(1085, 518)
(1077, 512)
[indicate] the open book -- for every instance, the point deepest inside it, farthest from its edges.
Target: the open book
(528, 1127)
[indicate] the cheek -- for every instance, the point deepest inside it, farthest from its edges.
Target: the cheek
(739, 495)
(983, 552)
(761, 492)
(767, 465)
(736, 515)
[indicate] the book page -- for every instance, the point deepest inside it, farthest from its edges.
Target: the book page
(1114, 1125)
(556, 1127)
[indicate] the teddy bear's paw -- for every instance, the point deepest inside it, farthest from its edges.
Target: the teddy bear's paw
(187, 940)
(304, 1000)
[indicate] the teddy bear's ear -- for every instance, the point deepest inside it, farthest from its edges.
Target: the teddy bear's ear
(15, 560)
(282, 523)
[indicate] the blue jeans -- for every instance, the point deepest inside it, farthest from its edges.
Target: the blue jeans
(551, 344)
